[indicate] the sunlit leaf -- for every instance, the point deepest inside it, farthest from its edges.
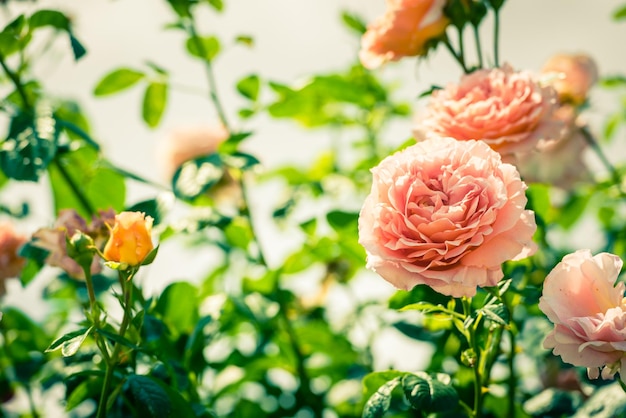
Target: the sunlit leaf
(154, 101)
(354, 22)
(203, 47)
(117, 80)
(249, 87)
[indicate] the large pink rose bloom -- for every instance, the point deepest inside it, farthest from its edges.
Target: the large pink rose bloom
(507, 109)
(588, 312)
(447, 214)
(404, 30)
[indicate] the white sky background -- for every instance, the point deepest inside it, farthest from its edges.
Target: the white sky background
(293, 39)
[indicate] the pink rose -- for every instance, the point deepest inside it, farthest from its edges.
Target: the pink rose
(11, 264)
(573, 76)
(447, 214)
(588, 313)
(508, 110)
(404, 30)
(187, 144)
(558, 161)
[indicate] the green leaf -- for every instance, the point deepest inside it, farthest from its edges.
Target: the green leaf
(51, 18)
(354, 22)
(573, 210)
(154, 399)
(613, 80)
(430, 394)
(420, 293)
(341, 221)
(246, 40)
(249, 87)
(30, 146)
(195, 177)
(178, 305)
(240, 160)
(78, 49)
(231, 144)
(89, 388)
(217, 4)
(70, 342)
(556, 403)
(498, 313)
(379, 402)
(154, 101)
(620, 13)
(14, 37)
(82, 171)
(117, 80)
(203, 47)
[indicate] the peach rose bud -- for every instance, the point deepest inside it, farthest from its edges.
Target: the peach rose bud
(574, 75)
(406, 29)
(130, 241)
(588, 311)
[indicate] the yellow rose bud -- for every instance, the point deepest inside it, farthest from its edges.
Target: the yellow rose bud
(130, 241)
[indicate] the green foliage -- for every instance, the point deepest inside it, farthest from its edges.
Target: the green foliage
(203, 47)
(117, 80)
(620, 13)
(249, 87)
(154, 101)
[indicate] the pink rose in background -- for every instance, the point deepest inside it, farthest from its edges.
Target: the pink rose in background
(508, 110)
(404, 30)
(53, 240)
(559, 161)
(447, 214)
(574, 75)
(11, 264)
(588, 313)
(187, 144)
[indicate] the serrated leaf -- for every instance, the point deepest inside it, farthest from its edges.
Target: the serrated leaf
(379, 402)
(428, 394)
(154, 101)
(196, 176)
(203, 47)
(117, 80)
(497, 313)
(249, 87)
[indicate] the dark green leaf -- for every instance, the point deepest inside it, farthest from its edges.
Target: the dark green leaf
(430, 394)
(203, 47)
(117, 80)
(240, 160)
(379, 402)
(51, 18)
(78, 49)
(154, 399)
(249, 87)
(154, 101)
(195, 177)
(30, 146)
(354, 22)
(341, 221)
(420, 293)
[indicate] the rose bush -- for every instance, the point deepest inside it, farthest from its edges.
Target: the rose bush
(447, 214)
(406, 29)
(588, 312)
(507, 109)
